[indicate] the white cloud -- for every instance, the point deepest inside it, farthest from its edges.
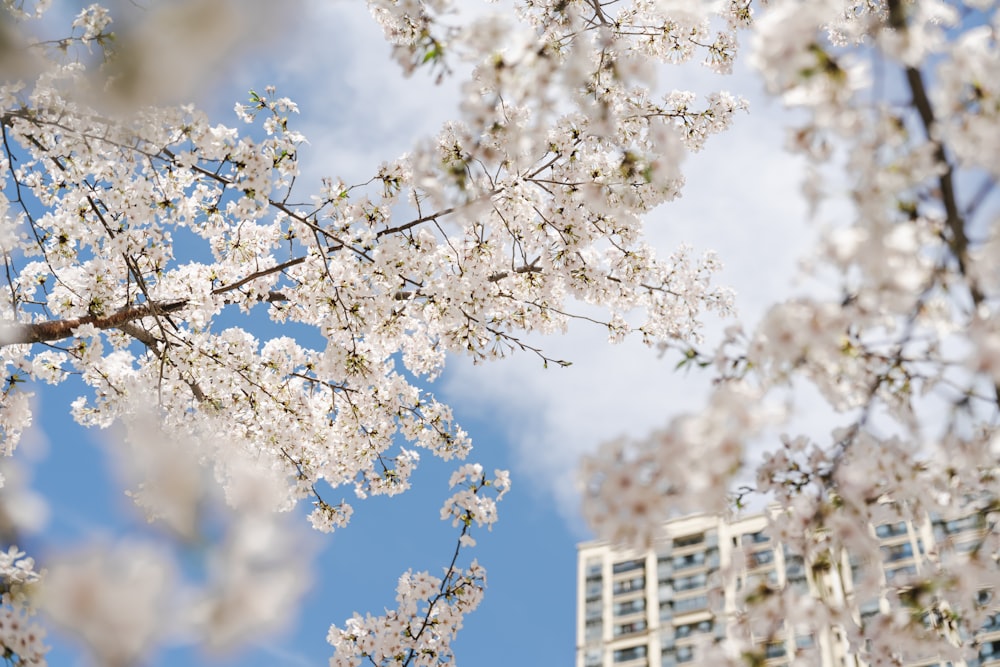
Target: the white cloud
(358, 109)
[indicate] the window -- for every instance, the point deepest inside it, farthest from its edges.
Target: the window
(594, 570)
(593, 609)
(685, 605)
(756, 538)
(685, 654)
(794, 566)
(628, 585)
(774, 650)
(682, 631)
(798, 584)
(891, 529)
(688, 583)
(628, 566)
(630, 628)
(592, 658)
(758, 558)
(688, 540)
(990, 649)
(593, 590)
(804, 642)
(870, 607)
(897, 552)
(629, 607)
(592, 630)
(965, 523)
(631, 653)
(690, 560)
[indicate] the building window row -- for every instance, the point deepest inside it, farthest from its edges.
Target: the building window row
(974, 521)
(688, 583)
(628, 566)
(760, 537)
(992, 623)
(794, 566)
(759, 558)
(630, 628)
(897, 552)
(990, 650)
(629, 585)
(629, 654)
(688, 629)
(774, 650)
(709, 557)
(685, 605)
(887, 530)
(688, 540)
(629, 607)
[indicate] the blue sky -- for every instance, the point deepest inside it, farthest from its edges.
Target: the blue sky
(357, 110)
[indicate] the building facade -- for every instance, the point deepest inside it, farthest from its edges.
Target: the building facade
(657, 608)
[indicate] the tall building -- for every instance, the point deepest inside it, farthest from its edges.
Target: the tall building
(654, 608)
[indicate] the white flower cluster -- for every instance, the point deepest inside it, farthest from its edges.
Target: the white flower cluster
(92, 21)
(470, 504)
(325, 518)
(20, 635)
(420, 631)
(17, 571)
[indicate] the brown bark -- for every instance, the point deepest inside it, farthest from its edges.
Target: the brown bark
(38, 332)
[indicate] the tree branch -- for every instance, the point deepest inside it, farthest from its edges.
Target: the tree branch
(258, 274)
(14, 333)
(959, 241)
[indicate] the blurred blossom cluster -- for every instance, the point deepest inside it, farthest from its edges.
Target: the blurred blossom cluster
(897, 341)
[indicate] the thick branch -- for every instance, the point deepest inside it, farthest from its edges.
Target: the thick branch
(955, 221)
(959, 241)
(39, 332)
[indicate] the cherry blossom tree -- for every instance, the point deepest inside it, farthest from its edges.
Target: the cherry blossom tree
(898, 337)
(135, 233)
